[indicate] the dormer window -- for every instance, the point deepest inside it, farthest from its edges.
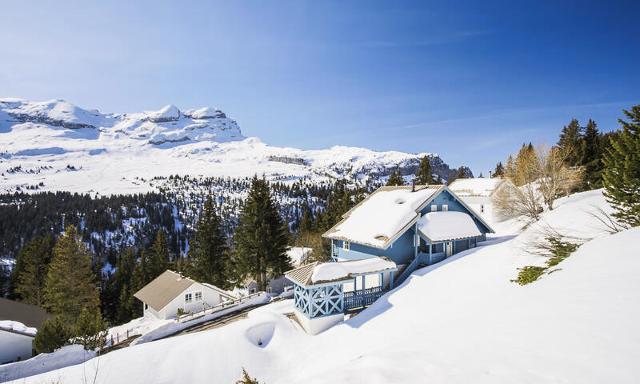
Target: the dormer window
(434, 208)
(445, 207)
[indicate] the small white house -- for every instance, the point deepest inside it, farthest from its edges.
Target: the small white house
(478, 194)
(18, 327)
(170, 292)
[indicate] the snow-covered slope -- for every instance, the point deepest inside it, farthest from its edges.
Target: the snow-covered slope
(55, 145)
(460, 321)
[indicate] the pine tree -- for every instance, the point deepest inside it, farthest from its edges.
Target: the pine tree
(424, 175)
(261, 237)
(52, 334)
(4, 282)
(395, 178)
(209, 251)
(157, 257)
(592, 157)
(525, 166)
(124, 282)
(621, 176)
(70, 285)
(570, 142)
(306, 222)
(90, 330)
(34, 259)
(499, 170)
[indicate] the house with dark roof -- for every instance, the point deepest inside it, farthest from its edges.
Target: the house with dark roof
(19, 323)
(379, 243)
(171, 292)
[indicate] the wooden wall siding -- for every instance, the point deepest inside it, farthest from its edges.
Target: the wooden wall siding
(453, 204)
(401, 251)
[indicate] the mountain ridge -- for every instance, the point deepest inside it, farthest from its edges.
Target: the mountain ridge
(56, 145)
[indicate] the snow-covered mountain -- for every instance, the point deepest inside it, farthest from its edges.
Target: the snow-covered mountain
(55, 145)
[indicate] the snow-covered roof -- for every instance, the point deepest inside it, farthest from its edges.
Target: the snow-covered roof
(17, 327)
(298, 255)
(383, 215)
(479, 186)
(447, 225)
(320, 273)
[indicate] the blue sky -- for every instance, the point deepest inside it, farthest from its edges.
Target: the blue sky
(469, 80)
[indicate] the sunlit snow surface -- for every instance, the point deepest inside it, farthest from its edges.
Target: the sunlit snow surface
(459, 321)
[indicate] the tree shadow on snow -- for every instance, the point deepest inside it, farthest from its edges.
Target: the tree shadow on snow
(382, 304)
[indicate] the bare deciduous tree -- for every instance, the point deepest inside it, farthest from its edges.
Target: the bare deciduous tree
(555, 177)
(513, 201)
(536, 178)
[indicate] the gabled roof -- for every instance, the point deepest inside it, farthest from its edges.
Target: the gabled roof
(384, 215)
(164, 288)
(479, 186)
(27, 314)
(387, 213)
(301, 275)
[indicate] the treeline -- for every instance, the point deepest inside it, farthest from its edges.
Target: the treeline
(255, 250)
(105, 223)
(584, 158)
(424, 174)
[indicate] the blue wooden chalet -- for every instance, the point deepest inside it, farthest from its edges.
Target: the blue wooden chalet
(382, 239)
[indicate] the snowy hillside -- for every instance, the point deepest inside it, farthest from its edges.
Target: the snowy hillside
(459, 321)
(55, 145)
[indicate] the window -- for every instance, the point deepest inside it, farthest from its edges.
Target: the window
(445, 207)
(346, 245)
(198, 296)
(188, 298)
(434, 208)
(269, 290)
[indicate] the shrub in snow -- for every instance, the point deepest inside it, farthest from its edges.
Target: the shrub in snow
(90, 330)
(53, 334)
(529, 274)
(246, 379)
(560, 250)
(556, 248)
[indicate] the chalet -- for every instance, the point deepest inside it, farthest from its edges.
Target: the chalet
(379, 243)
(171, 292)
(19, 323)
(478, 193)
